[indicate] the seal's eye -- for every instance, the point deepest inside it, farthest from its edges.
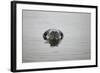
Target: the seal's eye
(53, 36)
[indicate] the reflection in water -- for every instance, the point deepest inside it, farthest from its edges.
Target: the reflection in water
(53, 36)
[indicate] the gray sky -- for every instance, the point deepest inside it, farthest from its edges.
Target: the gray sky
(74, 46)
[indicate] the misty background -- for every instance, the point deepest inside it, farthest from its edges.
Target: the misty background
(74, 46)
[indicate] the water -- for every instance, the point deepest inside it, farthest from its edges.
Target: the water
(39, 51)
(74, 46)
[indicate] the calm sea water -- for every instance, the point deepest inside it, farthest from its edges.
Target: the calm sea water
(74, 46)
(37, 51)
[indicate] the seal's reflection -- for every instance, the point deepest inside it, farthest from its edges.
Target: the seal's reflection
(53, 36)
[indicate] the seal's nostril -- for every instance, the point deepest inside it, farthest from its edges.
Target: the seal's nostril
(53, 36)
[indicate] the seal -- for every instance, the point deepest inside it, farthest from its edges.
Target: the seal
(53, 36)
